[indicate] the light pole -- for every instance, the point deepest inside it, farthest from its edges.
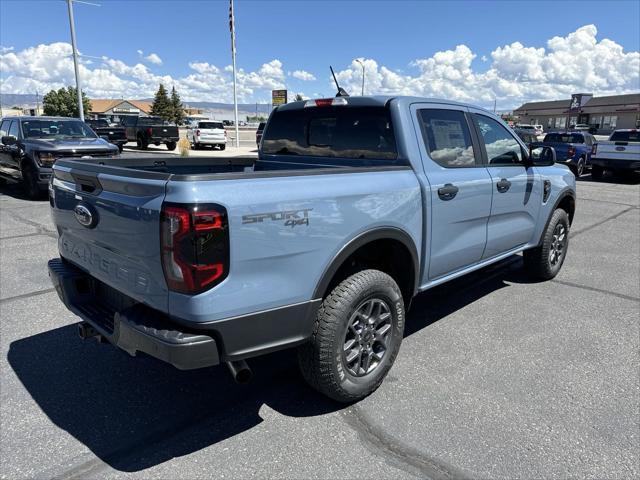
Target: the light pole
(362, 65)
(75, 59)
(75, 53)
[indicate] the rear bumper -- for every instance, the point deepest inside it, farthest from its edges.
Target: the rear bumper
(616, 164)
(135, 327)
(131, 327)
(211, 141)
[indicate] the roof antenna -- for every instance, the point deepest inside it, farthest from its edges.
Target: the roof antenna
(341, 91)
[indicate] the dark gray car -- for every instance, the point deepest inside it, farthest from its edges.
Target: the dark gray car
(30, 146)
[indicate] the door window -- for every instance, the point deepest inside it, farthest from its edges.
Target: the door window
(502, 148)
(14, 129)
(447, 137)
(4, 128)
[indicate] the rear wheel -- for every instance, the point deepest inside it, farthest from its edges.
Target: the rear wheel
(120, 147)
(597, 172)
(545, 261)
(171, 146)
(143, 144)
(579, 171)
(222, 146)
(356, 337)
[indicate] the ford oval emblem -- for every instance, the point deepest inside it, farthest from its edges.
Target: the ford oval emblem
(84, 216)
(620, 149)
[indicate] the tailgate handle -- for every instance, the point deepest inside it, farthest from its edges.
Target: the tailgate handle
(87, 184)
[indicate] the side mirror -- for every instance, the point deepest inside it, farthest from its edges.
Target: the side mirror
(541, 155)
(9, 140)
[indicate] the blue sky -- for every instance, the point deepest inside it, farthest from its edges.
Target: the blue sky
(307, 35)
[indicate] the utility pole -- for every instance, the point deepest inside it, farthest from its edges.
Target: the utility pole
(494, 104)
(362, 65)
(37, 104)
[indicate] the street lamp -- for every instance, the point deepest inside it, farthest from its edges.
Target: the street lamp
(362, 65)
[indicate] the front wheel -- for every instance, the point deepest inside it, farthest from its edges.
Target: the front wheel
(222, 146)
(356, 337)
(120, 147)
(30, 182)
(545, 261)
(171, 146)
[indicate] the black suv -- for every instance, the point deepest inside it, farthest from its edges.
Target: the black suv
(30, 146)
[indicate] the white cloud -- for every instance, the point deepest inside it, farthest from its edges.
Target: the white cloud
(517, 73)
(303, 75)
(512, 73)
(153, 58)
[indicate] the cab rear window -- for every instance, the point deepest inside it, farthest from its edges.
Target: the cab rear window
(363, 133)
(211, 125)
(625, 136)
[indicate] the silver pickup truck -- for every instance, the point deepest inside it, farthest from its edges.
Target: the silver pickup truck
(353, 206)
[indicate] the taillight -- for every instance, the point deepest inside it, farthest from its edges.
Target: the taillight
(150, 131)
(198, 133)
(571, 152)
(594, 149)
(195, 246)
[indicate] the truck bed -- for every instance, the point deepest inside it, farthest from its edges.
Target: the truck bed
(210, 168)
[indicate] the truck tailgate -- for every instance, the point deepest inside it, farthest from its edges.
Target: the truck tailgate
(164, 131)
(108, 222)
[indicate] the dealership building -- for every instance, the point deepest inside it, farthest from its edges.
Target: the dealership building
(604, 113)
(113, 110)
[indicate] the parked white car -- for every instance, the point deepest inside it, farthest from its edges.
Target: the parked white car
(539, 130)
(207, 132)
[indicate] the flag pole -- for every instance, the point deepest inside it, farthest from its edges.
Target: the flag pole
(232, 26)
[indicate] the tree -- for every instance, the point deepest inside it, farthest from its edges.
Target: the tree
(298, 97)
(177, 109)
(64, 103)
(161, 106)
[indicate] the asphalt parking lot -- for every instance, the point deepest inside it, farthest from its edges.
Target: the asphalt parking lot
(497, 378)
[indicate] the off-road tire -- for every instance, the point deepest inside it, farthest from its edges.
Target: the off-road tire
(537, 261)
(30, 182)
(597, 172)
(171, 146)
(321, 360)
(143, 143)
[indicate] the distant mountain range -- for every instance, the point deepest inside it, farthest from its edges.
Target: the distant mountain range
(8, 100)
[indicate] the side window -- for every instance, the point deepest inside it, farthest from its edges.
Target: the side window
(588, 139)
(4, 128)
(447, 137)
(14, 129)
(502, 148)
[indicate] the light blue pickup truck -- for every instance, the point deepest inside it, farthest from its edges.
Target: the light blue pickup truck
(353, 206)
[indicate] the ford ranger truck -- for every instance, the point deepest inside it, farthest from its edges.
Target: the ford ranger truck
(352, 207)
(620, 154)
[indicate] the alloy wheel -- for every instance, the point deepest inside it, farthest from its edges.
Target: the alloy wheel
(368, 337)
(558, 244)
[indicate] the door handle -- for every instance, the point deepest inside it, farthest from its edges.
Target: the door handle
(448, 191)
(503, 185)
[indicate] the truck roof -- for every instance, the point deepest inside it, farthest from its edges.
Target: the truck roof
(40, 117)
(382, 100)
